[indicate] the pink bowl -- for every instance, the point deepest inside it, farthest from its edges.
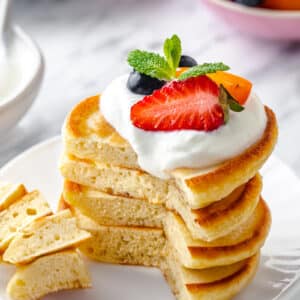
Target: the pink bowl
(267, 23)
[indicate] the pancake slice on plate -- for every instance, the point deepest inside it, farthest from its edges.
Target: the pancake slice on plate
(10, 193)
(44, 236)
(59, 271)
(28, 208)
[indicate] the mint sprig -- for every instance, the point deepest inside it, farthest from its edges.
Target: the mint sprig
(164, 67)
(150, 64)
(155, 65)
(203, 69)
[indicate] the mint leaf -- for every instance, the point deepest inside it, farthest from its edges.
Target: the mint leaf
(150, 64)
(203, 69)
(233, 104)
(172, 51)
(224, 103)
(228, 102)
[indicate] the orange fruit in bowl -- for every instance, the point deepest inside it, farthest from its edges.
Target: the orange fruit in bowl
(282, 4)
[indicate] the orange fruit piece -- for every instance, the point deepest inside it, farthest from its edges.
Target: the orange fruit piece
(238, 87)
(181, 70)
(282, 4)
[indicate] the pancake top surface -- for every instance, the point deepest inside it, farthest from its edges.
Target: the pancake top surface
(85, 120)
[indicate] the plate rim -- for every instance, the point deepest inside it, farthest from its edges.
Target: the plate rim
(35, 147)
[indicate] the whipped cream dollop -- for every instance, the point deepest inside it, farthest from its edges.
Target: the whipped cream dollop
(161, 151)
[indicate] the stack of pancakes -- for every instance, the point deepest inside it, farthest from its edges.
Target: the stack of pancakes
(203, 228)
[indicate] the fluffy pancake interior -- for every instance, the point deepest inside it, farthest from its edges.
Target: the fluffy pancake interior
(123, 244)
(107, 209)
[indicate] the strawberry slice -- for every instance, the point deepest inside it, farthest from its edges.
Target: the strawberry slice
(188, 104)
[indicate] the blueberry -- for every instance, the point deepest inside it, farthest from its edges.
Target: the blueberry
(142, 84)
(187, 61)
(249, 2)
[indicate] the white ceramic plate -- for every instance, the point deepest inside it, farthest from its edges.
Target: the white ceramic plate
(279, 270)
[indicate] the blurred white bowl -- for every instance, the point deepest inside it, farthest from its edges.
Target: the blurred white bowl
(30, 63)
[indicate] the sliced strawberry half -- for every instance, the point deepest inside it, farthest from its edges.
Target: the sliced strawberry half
(188, 104)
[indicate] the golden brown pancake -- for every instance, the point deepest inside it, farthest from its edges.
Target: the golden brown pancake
(240, 244)
(209, 223)
(88, 136)
(220, 218)
(209, 284)
(192, 253)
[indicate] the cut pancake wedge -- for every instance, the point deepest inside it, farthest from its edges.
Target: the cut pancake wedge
(89, 137)
(236, 246)
(10, 193)
(46, 235)
(59, 271)
(30, 207)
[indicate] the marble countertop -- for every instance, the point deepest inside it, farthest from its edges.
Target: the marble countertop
(85, 44)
